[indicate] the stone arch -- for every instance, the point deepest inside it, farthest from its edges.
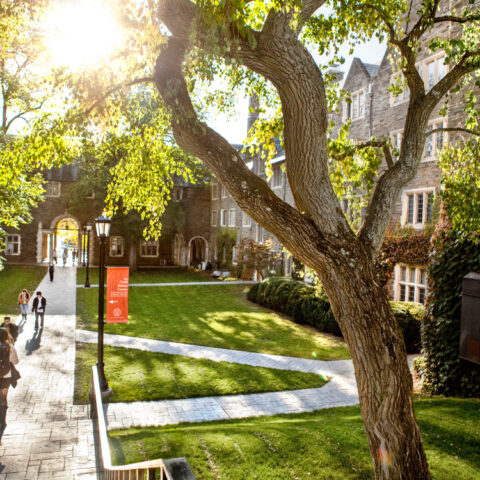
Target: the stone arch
(76, 239)
(197, 252)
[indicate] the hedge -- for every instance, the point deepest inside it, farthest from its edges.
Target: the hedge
(307, 305)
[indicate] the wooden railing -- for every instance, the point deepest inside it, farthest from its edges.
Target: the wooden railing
(171, 469)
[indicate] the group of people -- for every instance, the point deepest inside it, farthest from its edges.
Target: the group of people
(8, 355)
(65, 256)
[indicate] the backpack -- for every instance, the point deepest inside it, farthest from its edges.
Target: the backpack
(4, 359)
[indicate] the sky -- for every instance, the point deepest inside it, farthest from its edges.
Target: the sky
(235, 129)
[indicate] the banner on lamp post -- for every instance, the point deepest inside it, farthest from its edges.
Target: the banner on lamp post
(117, 294)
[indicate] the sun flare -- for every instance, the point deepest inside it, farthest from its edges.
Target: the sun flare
(81, 33)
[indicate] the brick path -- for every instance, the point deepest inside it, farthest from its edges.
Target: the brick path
(48, 437)
(341, 390)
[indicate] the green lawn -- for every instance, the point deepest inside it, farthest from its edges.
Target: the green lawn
(13, 279)
(329, 444)
(135, 375)
(213, 315)
(165, 275)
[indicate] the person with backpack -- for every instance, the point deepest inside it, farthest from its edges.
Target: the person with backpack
(8, 375)
(23, 299)
(39, 305)
(12, 328)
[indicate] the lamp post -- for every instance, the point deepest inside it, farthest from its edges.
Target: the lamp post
(88, 227)
(84, 244)
(102, 225)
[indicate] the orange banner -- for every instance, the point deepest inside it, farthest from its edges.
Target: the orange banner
(117, 294)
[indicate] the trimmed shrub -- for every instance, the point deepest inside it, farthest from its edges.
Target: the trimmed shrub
(443, 372)
(307, 305)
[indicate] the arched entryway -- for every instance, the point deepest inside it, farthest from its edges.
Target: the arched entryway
(64, 235)
(198, 252)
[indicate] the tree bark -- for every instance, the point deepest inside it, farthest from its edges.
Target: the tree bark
(379, 357)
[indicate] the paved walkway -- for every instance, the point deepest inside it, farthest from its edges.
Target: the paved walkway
(48, 437)
(341, 390)
(183, 284)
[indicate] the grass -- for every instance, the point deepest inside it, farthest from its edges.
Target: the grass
(328, 444)
(165, 275)
(212, 315)
(135, 375)
(13, 279)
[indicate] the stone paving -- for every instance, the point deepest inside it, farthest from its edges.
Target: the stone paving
(48, 437)
(341, 390)
(182, 284)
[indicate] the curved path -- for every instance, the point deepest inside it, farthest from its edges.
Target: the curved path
(340, 391)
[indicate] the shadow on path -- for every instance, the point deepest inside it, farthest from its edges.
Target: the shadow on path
(33, 343)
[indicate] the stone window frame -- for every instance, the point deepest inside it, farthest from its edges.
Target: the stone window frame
(410, 283)
(13, 240)
(53, 193)
(396, 137)
(214, 191)
(117, 241)
(224, 217)
(277, 177)
(440, 122)
(246, 220)
(147, 244)
(232, 217)
(214, 219)
(426, 206)
(404, 96)
(423, 67)
(224, 192)
(349, 106)
(177, 194)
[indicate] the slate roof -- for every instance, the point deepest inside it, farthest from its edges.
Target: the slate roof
(371, 68)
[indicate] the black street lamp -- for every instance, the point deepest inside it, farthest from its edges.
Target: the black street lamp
(84, 244)
(102, 225)
(88, 227)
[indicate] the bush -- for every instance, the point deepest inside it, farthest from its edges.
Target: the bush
(444, 373)
(308, 305)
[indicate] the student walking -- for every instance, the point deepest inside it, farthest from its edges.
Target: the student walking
(39, 305)
(8, 375)
(12, 328)
(51, 271)
(23, 299)
(65, 256)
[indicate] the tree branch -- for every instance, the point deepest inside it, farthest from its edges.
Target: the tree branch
(456, 19)
(309, 8)
(251, 193)
(116, 88)
(383, 144)
(453, 129)
(21, 114)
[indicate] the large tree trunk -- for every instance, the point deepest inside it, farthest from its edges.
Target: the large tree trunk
(381, 369)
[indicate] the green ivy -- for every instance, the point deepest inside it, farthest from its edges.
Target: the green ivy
(454, 256)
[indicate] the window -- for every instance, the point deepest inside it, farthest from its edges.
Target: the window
(418, 207)
(52, 189)
(214, 191)
(411, 284)
(177, 194)
(434, 142)
(149, 248)
(356, 108)
(259, 234)
(12, 245)
(224, 217)
(246, 220)
(231, 222)
(396, 139)
(224, 192)
(399, 80)
(116, 246)
(214, 218)
(432, 69)
(277, 177)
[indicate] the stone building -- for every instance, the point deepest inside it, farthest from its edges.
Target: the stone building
(55, 227)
